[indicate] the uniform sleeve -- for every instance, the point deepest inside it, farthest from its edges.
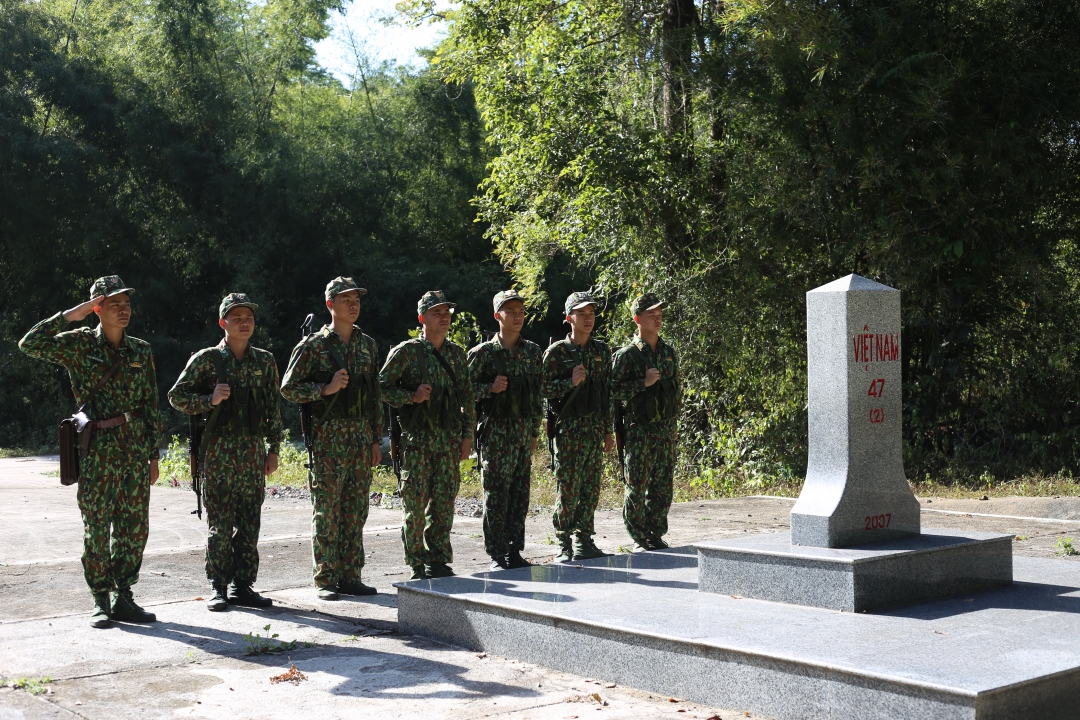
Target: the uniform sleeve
(45, 341)
(608, 412)
(467, 396)
(185, 395)
(378, 419)
(477, 371)
(390, 376)
(294, 386)
(275, 429)
(551, 385)
(625, 379)
(152, 419)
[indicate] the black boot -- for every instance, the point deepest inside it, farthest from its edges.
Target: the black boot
(219, 601)
(438, 570)
(419, 573)
(242, 594)
(499, 564)
(355, 587)
(100, 617)
(585, 548)
(514, 559)
(124, 608)
(566, 553)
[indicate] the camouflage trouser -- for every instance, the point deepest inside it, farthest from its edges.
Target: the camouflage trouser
(114, 499)
(233, 494)
(339, 498)
(579, 454)
(506, 471)
(429, 483)
(650, 467)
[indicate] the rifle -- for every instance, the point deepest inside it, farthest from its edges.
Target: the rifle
(395, 443)
(551, 418)
(306, 428)
(196, 427)
(620, 436)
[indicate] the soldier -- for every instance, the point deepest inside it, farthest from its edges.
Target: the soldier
(645, 376)
(577, 380)
(122, 461)
(236, 385)
(428, 378)
(335, 369)
(505, 373)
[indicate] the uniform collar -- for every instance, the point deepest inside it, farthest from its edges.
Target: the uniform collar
(587, 345)
(226, 353)
(644, 346)
(329, 331)
(125, 342)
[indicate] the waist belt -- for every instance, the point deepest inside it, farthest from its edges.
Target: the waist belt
(118, 420)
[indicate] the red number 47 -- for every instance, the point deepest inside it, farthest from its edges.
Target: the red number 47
(876, 386)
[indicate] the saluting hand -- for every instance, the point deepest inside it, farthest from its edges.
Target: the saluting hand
(340, 380)
(579, 375)
(651, 376)
(81, 310)
(499, 385)
(222, 391)
(422, 394)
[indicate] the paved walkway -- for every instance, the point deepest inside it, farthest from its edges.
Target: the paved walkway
(193, 663)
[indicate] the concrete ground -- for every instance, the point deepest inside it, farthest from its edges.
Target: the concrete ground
(193, 663)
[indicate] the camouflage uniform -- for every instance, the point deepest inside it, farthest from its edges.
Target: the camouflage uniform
(342, 445)
(650, 437)
(431, 475)
(579, 439)
(506, 453)
(114, 485)
(234, 486)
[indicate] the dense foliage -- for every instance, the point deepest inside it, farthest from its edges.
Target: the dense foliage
(733, 155)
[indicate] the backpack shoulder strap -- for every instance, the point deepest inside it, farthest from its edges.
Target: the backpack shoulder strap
(219, 366)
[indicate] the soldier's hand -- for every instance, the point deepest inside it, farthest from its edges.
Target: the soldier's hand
(81, 310)
(271, 464)
(499, 385)
(221, 392)
(340, 380)
(579, 375)
(609, 442)
(466, 449)
(422, 394)
(376, 454)
(651, 376)
(153, 472)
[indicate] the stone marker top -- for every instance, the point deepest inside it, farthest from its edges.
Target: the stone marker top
(852, 282)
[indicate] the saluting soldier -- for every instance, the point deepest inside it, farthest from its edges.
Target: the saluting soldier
(427, 378)
(122, 460)
(236, 386)
(645, 376)
(335, 369)
(577, 379)
(505, 373)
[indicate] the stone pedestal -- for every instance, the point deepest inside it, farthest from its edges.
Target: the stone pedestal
(855, 490)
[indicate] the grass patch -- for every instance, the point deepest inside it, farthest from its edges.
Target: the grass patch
(18, 452)
(259, 645)
(32, 685)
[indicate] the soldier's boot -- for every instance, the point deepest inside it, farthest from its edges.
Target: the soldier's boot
(355, 587)
(439, 570)
(514, 559)
(125, 608)
(658, 543)
(642, 545)
(566, 553)
(100, 617)
(585, 548)
(330, 592)
(242, 594)
(219, 601)
(418, 573)
(499, 563)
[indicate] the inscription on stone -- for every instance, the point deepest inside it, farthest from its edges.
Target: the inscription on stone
(856, 491)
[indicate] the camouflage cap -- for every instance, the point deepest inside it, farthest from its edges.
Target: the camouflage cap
(342, 284)
(578, 300)
(504, 297)
(433, 298)
(108, 286)
(648, 301)
(235, 300)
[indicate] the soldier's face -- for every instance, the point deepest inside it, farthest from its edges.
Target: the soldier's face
(650, 321)
(583, 319)
(511, 316)
(345, 306)
(114, 311)
(437, 319)
(239, 323)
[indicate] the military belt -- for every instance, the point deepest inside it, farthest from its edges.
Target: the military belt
(118, 420)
